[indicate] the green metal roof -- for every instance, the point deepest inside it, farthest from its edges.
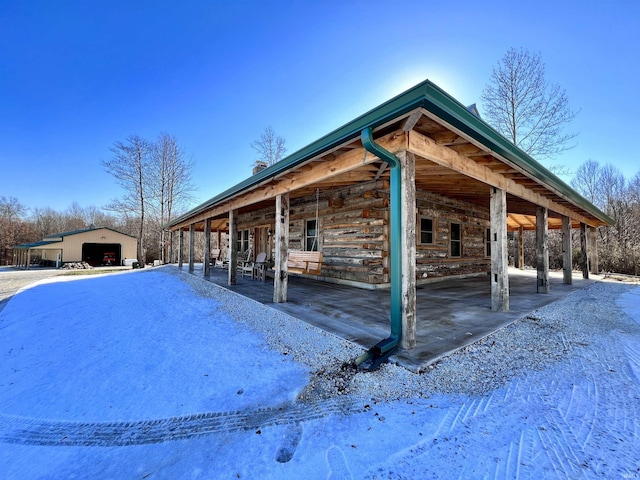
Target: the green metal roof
(27, 246)
(425, 95)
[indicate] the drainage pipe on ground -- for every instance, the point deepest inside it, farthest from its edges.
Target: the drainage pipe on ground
(385, 348)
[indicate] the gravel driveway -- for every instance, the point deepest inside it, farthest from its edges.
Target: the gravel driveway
(12, 280)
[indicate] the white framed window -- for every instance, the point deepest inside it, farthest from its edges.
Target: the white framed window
(243, 240)
(455, 233)
(426, 236)
(311, 235)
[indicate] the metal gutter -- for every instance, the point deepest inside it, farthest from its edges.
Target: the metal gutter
(383, 349)
(432, 98)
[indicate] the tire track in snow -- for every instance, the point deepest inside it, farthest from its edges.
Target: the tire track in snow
(472, 422)
(571, 422)
(632, 352)
(30, 431)
(547, 442)
(578, 424)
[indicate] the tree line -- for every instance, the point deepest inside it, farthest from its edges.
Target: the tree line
(618, 245)
(607, 188)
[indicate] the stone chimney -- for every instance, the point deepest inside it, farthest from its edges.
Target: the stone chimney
(259, 166)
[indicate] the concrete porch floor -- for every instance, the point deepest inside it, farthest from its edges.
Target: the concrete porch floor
(451, 313)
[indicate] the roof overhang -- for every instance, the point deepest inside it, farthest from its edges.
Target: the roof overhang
(430, 123)
(34, 245)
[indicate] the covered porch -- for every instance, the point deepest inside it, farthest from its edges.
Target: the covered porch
(39, 254)
(415, 189)
(450, 313)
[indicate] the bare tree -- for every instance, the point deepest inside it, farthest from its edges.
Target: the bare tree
(170, 183)
(586, 181)
(522, 105)
(99, 218)
(129, 166)
(156, 179)
(74, 218)
(47, 221)
(270, 147)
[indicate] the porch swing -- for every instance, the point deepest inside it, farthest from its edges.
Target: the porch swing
(307, 262)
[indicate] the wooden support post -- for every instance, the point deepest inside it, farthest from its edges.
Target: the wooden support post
(171, 252)
(499, 251)
(408, 248)
(593, 250)
(219, 239)
(180, 247)
(232, 250)
(521, 248)
(192, 247)
(542, 250)
(585, 251)
(567, 254)
(28, 259)
(206, 255)
(281, 279)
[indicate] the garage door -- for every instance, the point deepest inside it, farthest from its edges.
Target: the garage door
(102, 254)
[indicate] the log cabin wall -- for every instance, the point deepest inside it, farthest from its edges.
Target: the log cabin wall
(353, 233)
(435, 260)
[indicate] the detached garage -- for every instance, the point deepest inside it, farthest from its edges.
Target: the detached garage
(98, 246)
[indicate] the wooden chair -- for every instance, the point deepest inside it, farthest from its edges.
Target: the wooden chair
(215, 257)
(260, 267)
(245, 264)
(224, 260)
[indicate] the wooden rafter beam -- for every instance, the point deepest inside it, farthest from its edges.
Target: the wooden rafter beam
(411, 121)
(427, 148)
(445, 137)
(381, 170)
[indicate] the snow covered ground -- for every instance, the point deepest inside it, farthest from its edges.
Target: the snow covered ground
(139, 375)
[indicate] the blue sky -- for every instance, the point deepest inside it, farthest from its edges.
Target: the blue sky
(78, 76)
